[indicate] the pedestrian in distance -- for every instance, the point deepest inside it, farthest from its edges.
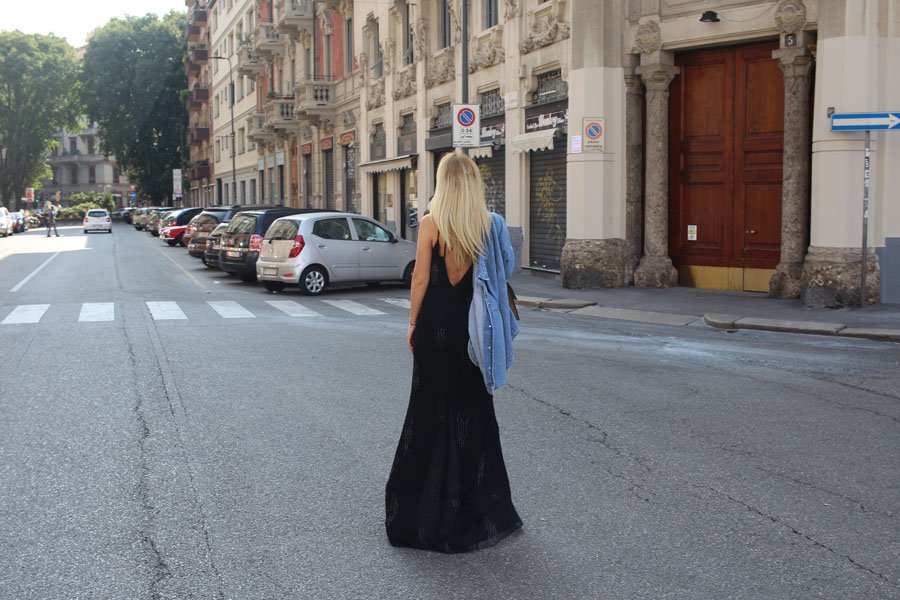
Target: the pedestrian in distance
(51, 220)
(448, 489)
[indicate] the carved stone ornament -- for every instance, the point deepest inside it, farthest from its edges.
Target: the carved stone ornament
(362, 59)
(420, 39)
(305, 39)
(388, 49)
(441, 68)
(488, 49)
(376, 95)
(405, 85)
(326, 126)
(649, 38)
(546, 25)
(511, 9)
(347, 119)
(790, 16)
(453, 8)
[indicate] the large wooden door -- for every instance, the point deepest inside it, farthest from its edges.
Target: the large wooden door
(726, 138)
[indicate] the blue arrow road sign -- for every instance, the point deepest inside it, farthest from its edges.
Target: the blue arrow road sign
(865, 121)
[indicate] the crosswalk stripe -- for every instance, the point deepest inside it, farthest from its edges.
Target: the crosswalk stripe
(353, 307)
(165, 311)
(401, 302)
(292, 309)
(228, 309)
(97, 311)
(25, 313)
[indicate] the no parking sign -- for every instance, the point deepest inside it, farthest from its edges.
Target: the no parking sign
(593, 131)
(466, 126)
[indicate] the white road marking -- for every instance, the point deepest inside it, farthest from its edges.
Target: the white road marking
(292, 309)
(229, 309)
(26, 313)
(97, 311)
(353, 307)
(165, 311)
(33, 273)
(401, 302)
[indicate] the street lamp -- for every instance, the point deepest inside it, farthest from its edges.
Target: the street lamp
(233, 149)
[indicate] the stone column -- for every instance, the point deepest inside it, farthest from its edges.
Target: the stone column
(634, 159)
(655, 269)
(796, 63)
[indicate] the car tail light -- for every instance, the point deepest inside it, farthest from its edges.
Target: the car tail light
(296, 247)
(107, 219)
(256, 242)
(85, 220)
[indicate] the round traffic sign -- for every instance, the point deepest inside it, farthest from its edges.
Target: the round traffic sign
(593, 130)
(466, 117)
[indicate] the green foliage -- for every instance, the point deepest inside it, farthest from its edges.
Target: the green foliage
(131, 82)
(76, 212)
(95, 199)
(39, 94)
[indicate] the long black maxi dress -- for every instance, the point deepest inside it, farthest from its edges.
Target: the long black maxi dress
(448, 489)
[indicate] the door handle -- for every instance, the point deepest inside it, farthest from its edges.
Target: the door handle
(367, 248)
(321, 245)
(750, 231)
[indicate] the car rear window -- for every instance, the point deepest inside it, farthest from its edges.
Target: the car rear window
(282, 230)
(96, 213)
(242, 224)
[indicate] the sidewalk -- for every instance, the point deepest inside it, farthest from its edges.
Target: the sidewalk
(722, 309)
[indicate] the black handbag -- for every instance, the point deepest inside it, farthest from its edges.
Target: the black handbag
(512, 301)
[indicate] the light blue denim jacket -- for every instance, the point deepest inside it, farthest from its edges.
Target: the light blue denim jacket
(492, 327)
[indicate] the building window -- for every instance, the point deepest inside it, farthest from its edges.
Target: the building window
(550, 87)
(328, 72)
(408, 124)
(54, 180)
(240, 87)
(281, 182)
(73, 145)
(216, 102)
(348, 46)
(444, 116)
(241, 141)
(252, 191)
(444, 23)
(492, 104)
(90, 144)
(378, 64)
(218, 150)
(491, 17)
(243, 191)
(73, 174)
(92, 174)
(408, 43)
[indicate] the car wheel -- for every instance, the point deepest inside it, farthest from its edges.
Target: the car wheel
(85, 232)
(274, 286)
(248, 277)
(408, 273)
(313, 280)
(180, 240)
(171, 242)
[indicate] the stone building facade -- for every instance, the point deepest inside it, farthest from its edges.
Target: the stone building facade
(627, 142)
(200, 190)
(78, 165)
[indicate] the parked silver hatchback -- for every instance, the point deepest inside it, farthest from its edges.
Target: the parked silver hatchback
(316, 249)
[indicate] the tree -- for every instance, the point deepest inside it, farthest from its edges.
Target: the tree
(38, 96)
(132, 78)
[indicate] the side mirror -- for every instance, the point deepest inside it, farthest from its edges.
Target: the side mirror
(394, 239)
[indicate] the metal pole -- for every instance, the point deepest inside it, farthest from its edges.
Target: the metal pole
(465, 57)
(865, 230)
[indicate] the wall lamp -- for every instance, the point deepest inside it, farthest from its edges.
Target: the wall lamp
(709, 16)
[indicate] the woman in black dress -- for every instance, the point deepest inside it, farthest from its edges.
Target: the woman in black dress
(448, 489)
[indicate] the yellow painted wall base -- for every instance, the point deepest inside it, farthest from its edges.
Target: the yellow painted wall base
(725, 278)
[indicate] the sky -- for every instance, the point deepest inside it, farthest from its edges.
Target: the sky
(74, 19)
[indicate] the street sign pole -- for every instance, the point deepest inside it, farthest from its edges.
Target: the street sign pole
(867, 122)
(465, 57)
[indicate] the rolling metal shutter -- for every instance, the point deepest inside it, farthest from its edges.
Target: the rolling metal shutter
(328, 156)
(493, 171)
(547, 207)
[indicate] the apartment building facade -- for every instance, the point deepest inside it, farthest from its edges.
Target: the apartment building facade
(78, 165)
(200, 173)
(629, 142)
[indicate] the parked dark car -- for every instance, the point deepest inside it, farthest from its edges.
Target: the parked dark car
(172, 228)
(201, 226)
(213, 244)
(242, 240)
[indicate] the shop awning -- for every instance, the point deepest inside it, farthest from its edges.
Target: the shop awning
(387, 164)
(481, 152)
(534, 141)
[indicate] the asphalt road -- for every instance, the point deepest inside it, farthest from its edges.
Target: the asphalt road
(245, 457)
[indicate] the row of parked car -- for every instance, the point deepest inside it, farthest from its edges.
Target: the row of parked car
(15, 222)
(307, 248)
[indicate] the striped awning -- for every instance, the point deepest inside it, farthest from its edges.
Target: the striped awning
(534, 141)
(387, 164)
(482, 152)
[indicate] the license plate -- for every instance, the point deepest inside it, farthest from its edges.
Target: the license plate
(233, 254)
(270, 271)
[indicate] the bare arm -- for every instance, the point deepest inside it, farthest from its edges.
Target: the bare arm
(421, 274)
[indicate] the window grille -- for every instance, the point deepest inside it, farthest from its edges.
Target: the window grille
(379, 136)
(408, 124)
(550, 88)
(444, 116)
(492, 104)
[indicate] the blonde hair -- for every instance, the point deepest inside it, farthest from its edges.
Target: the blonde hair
(458, 210)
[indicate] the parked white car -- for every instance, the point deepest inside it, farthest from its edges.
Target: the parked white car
(314, 250)
(97, 219)
(6, 222)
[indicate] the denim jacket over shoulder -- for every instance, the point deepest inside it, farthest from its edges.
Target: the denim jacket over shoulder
(492, 328)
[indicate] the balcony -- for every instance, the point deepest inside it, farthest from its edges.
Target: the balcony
(199, 172)
(249, 62)
(267, 41)
(198, 135)
(315, 97)
(192, 34)
(199, 54)
(256, 129)
(198, 14)
(280, 113)
(198, 97)
(294, 16)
